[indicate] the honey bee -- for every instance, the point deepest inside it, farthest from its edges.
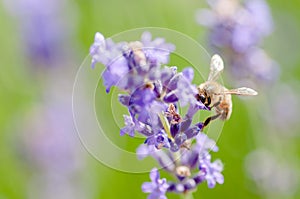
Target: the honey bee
(213, 93)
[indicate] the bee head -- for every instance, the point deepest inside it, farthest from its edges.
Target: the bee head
(203, 96)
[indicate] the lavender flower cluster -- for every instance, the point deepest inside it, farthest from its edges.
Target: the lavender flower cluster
(154, 94)
(236, 30)
(44, 28)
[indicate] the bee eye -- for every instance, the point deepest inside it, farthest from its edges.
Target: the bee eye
(202, 98)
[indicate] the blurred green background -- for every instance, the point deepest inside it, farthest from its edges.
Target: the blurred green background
(22, 83)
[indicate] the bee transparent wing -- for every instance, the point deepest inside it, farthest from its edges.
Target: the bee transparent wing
(241, 91)
(216, 67)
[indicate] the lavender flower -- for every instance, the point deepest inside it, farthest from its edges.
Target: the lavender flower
(159, 140)
(44, 28)
(274, 113)
(181, 165)
(212, 170)
(157, 187)
(237, 30)
(271, 174)
(137, 67)
(51, 149)
(130, 126)
(154, 95)
(125, 60)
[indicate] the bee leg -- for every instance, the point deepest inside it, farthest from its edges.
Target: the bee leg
(207, 121)
(217, 103)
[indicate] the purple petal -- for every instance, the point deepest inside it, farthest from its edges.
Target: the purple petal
(154, 175)
(188, 73)
(174, 128)
(219, 178)
(211, 183)
(192, 132)
(174, 81)
(171, 97)
(167, 74)
(261, 15)
(124, 99)
(148, 187)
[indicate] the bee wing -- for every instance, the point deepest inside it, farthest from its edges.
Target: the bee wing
(216, 67)
(241, 91)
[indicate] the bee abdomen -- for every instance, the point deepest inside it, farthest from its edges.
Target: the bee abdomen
(225, 110)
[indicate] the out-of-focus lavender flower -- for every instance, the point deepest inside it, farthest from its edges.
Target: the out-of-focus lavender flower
(237, 26)
(281, 116)
(236, 31)
(50, 147)
(271, 174)
(157, 187)
(48, 139)
(44, 28)
(154, 95)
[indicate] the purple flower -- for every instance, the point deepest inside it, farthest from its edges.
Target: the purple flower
(192, 132)
(132, 125)
(186, 92)
(157, 51)
(140, 99)
(97, 48)
(237, 30)
(44, 27)
(154, 97)
(128, 64)
(129, 126)
(291, 107)
(159, 140)
(260, 15)
(271, 174)
(165, 160)
(194, 108)
(203, 145)
(49, 147)
(261, 65)
(151, 91)
(237, 26)
(166, 74)
(212, 170)
(181, 89)
(144, 151)
(157, 187)
(110, 54)
(154, 110)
